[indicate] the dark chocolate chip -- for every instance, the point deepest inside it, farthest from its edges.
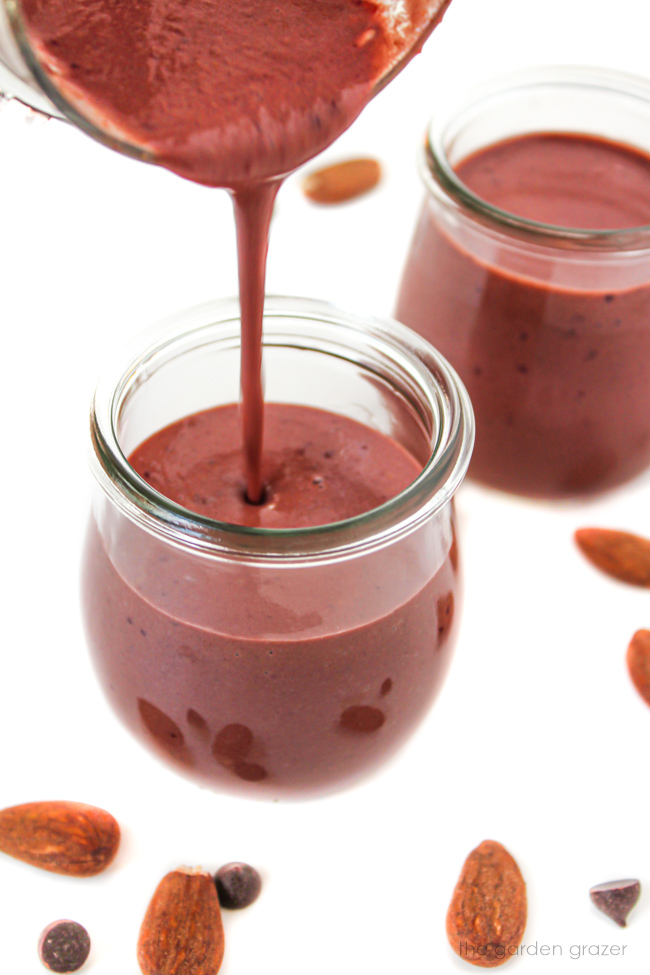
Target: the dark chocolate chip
(363, 719)
(165, 732)
(238, 885)
(250, 772)
(197, 721)
(445, 614)
(616, 898)
(64, 946)
(232, 744)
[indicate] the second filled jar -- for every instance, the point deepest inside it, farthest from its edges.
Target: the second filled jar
(530, 271)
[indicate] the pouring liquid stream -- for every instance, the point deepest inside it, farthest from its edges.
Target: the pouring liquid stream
(253, 212)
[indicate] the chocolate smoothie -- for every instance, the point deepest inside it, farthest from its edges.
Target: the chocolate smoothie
(271, 685)
(552, 343)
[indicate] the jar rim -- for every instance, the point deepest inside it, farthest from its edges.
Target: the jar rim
(441, 180)
(431, 490)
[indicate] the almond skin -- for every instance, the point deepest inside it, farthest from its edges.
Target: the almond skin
(63, 837)
(182, 933)
(619, 554)
(487, 915)
(638, 663)
(342, 182)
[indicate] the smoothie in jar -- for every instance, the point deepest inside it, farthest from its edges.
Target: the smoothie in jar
(530, 271)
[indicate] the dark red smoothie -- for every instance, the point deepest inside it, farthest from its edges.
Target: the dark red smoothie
(552, 343)
(318, 468)
(294, 682)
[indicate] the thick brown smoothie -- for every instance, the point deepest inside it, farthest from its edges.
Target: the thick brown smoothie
(554, 348)
(279, 685)
(319, 467)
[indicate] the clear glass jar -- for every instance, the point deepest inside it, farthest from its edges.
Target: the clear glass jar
(288, 661)
(548, 327)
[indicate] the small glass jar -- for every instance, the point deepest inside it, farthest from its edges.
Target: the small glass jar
(548, 327)
(287, 661)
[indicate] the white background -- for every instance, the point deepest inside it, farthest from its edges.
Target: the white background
(538, 739)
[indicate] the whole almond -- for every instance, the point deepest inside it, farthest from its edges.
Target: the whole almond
(619, 554)
(63, 837)
(638, 663)
(343, 181)
(182, 933)
(487, 914)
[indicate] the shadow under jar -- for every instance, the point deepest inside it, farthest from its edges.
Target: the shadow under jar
(276, 662)
(548, 325)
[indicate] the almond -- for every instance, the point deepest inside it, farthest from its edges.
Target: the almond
(638, 663)
(487, 914)
(619, 554)
(182, 933)
(64, 837)
(343, 181)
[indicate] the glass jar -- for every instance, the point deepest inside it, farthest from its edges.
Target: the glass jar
(286, 661)
(548, 327)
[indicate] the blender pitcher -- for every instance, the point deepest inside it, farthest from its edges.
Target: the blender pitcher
(24, 77)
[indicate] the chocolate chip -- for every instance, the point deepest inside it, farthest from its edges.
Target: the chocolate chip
(238, 885)
(64, 946)
(197, 721)
(363, 719)
(445, 614)
(232, 744)
(616, 898)
(165, 732)
(250, 772)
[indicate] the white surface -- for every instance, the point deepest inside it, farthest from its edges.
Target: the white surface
(538, 739)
